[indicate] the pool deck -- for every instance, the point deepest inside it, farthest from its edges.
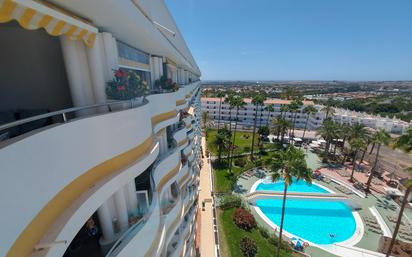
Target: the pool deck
(374, 204)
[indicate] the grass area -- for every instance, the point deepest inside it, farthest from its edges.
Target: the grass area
(243, 142)
(230, 236)
(224, 180)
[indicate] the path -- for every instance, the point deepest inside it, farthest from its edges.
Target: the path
(207, 238)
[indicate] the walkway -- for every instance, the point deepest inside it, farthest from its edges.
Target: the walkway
(207, 238)
(268, 194)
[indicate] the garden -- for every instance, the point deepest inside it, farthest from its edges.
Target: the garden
(239, 227)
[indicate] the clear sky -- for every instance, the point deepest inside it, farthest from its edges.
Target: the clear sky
(298, 39)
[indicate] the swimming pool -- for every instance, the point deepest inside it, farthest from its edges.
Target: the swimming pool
(319, 222)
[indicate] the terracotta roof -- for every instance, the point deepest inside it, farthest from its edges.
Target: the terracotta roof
(268, 101)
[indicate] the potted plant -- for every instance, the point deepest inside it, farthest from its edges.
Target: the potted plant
(126, 85)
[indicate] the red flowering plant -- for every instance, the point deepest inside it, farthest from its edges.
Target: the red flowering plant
(126, 85)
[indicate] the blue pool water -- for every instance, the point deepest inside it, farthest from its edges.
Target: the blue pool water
(297, 186)
(311, 220)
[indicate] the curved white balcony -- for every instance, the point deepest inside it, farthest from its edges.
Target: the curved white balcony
(86, 159)
(140, 237)
(181, 136)
(165, 169)
(172, 220)
(163, 110)
(191, 134)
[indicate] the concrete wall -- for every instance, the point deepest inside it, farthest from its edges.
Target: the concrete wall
(32, 72)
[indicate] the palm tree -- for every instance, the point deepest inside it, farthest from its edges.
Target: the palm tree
(380, 137)
(257, 100)
(309, 111)
(222, 141)
(261, 110)
(327, 131)
(351, 132)
(355, 145)
(294, 107)
(328, 108)
(281, 127)
(205, 119)
(229, 101)
(403, 142)
(287, 165)
(220, 94)
(269, 109)
(237, 102)
(283, 109)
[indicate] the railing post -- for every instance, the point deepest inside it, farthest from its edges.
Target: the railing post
(64, 117)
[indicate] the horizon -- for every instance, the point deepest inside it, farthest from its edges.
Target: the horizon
(368, 40)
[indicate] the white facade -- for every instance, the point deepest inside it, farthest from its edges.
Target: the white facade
(247, 114)
(106, 179)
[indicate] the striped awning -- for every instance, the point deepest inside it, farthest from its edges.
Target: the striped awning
(34, 14)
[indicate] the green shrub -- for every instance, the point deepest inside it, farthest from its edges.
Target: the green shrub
(248, 247)
(240, 162)
(244, 219)
(264, 232)
(230, 201)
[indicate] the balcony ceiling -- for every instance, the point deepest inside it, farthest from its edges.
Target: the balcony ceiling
(127, 23)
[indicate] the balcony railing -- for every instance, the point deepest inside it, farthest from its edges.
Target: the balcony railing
(66, 115)
(134, 229)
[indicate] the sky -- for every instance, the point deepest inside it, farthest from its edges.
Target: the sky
(298, 39)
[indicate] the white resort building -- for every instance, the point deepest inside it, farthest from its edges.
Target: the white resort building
(246, 115)
(99, 130)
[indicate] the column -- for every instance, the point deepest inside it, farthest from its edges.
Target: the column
(121, 209)
(77, 70)
(110, 52)
(106, 224)
(97, 69)
(130, 192)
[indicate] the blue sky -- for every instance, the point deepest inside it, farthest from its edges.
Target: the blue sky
(298, 39)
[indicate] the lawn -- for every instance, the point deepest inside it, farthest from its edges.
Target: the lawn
(243, 142)
(230, 236)
(224, 180)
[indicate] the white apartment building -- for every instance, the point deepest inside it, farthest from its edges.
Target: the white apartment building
(83, 174)
(247, 115)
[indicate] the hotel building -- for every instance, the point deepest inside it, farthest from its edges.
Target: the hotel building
(246, 115)
(84, 174)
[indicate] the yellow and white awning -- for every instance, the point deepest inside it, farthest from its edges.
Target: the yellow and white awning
(33, 14)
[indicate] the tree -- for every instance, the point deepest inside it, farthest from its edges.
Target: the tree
(257, 100)
(286, 165)
(380, 137)
(309, 111)
(328, 132)
(237, 102)
(328, 108)
(262, 132)
(220, 94)
(205, 118)
(403, 142)
(294, 107)
(281, 126)
(352, 132)
(283, 110)
(261, 107)
(355, 145)
(269, 109)
(229, 101)
(222, 142)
